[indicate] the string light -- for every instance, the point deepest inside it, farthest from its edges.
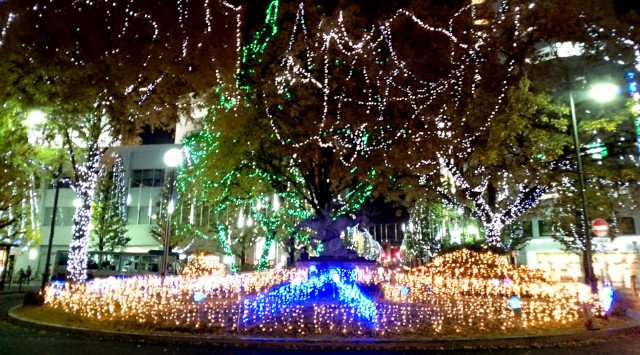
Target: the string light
(201, 264)
(462, 292)
(387, 83)
(316, 57)
(129, 22)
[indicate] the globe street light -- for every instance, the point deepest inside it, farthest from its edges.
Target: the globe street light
(601, 93)
(34, 119)
(172, 159)
(604, 92)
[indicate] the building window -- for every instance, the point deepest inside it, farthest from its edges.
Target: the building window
(147, 178)
(64, 216)
(545, 228)
(527, 229)
(626, 225)
(132, 215)
(144, 215)
(64, 183)
(141, 214)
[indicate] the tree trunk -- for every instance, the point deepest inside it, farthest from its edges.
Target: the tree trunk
(84, 188)
(589, 275)
(292, 250)
(492, 236)
(264, 262)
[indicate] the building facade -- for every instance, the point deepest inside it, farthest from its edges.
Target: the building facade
(145, 175)
(616, 261)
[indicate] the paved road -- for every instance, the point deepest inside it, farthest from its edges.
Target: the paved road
(15, 340)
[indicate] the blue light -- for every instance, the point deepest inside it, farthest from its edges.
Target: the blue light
(58, 286)
(198, 296)
(312, 268)
(632, 83)
(515, 303)
(58, 283)
(329, 285)
(606, 297)
(404, 290)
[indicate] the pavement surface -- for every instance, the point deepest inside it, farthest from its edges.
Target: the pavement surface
(24, 336)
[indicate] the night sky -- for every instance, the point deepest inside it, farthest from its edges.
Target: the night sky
(158, 136)
(624, 6)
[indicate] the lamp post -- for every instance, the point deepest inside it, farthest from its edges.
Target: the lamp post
(47, 264)
(34, 119)
(172, 159)
(601, 93)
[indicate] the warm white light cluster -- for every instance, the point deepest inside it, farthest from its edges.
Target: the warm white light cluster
(463, 292)
(201, 264)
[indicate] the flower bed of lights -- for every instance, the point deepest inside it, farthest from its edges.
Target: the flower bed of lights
(459, 293)
(202, 264)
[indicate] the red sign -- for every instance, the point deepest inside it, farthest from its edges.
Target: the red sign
(600, 227)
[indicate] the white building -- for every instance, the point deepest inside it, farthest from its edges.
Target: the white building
(145, 175)
(616, 261)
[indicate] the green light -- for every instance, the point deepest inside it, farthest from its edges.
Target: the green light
(259, 42)
(596, 150)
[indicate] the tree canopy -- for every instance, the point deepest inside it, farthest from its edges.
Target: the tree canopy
(324, 105)
(335, 107)
(101, 71)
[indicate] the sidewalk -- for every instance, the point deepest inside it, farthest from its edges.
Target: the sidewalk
(32, 286)
(551, 340)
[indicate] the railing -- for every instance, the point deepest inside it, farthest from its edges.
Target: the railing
(387, 233)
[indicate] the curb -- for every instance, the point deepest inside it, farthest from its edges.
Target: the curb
(568, 339)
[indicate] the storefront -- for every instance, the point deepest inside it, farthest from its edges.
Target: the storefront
(616, 262)
(6, 264)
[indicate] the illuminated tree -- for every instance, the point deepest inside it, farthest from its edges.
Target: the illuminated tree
(329, 104)
(311, 168)
(109, 213)
(603, 52)
(178, 236)
(612, 189)
(511, 165)
(102, 71)
(235, 203)
(499, 139)
(23, 163)
(18, 222)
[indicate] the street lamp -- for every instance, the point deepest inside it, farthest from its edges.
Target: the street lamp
(601, 93)
(35, 118)
(172, 159)
(47, 264)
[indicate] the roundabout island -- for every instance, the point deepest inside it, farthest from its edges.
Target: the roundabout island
(459, 300)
